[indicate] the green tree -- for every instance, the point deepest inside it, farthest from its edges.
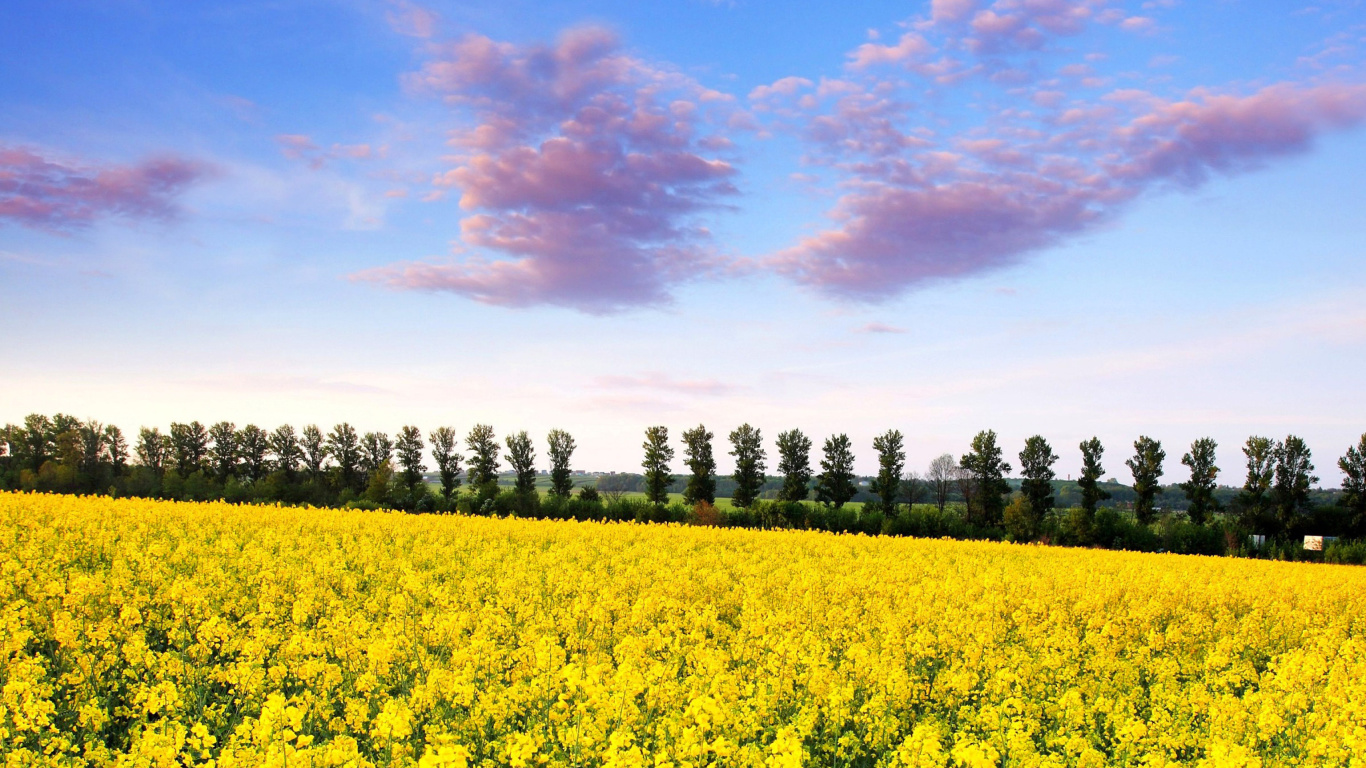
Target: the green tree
(483, 467)
(986, 471)
(1146, 466)
(223, 454)
(38, 438)
(747, 446)
(284, 445)
(116, 448)
(1199, 489)
(1255, 498)
(835, 484)
(343, 445)
(1089, 482)
(794, 464)
(561, 452)
(1294, 478)
(447, 459)
(375, 449)
(658, 454)
(1036, 467)
(315, 450)
(151, 450)
(891, 464)
(189, 447)
(409, 449)
(93, 454)
(253, 447)
(1353, 466)
(521, 456)
(697, 455)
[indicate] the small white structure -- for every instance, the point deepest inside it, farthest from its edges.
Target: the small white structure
(1317, 543)
(1258, 541)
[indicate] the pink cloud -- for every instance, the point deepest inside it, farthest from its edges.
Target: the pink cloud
(911, 46)
(876, 327)
(58, 194)
(922, 214)
(583, 171)
(413, 20)
(297, 146)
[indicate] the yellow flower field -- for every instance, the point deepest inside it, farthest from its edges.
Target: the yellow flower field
(156, 634)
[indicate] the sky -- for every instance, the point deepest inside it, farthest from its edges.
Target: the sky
(1057, 217)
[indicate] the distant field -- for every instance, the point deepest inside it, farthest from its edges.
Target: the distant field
(153, 633)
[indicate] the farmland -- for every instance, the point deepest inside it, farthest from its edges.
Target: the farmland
(143, 632)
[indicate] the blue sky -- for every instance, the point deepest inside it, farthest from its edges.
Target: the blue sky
(1066, 217)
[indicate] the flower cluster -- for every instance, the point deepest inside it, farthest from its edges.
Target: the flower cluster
(147, 633)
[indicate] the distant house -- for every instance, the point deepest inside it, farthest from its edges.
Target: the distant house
(1317, 543)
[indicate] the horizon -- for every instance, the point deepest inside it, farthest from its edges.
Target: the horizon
(1067, 218)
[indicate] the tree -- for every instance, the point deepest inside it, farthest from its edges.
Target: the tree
(1036, 467)
(1254, 499)
(189, 447)
(344, 447)
(223, 454)
(38, 441)
(891, 463)
(658, 454)
(284, 445)
(986, 487)
(1146, 466)
(835, 484)
(521, 456)
(941, 475)
(483, 447)
(561, 451)
(1293, 480)
(376, 450)
(1200, 488)
(253, 447)
(91, 437)
(697, 455)
(315, 450)
(1089, 482)
(747, 446)
(447, 459)
(1353, 466)
(116, 448)
(151, 450)
(794, 464)
(409, 450)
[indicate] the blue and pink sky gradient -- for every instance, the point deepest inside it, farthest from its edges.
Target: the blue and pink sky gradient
(1069, 217)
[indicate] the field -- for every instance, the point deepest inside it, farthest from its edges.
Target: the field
(159, 634)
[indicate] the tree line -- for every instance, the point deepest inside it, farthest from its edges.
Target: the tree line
(969, 496)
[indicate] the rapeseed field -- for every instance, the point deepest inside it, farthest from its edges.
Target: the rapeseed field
(146, 633)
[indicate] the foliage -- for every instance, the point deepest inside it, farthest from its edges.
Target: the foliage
(1294, 476)
(942, 475)
(409, 449)
(1199, 489)
(658, 454)
(562, 447)
(835, 484)
(747, 446)
(447, 459)
(1091, 492)
(483, 464)
(891, 463)
(1036, 466)
(984, 474)
(1146, 466)
(794, 464)
(521, 456)
(701, 463)
(1353, 466)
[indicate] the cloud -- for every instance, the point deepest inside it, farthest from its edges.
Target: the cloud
(911, 46)
(583, 172)
(61, 194)
(297, 146)
(412, 20)
(876, 327)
